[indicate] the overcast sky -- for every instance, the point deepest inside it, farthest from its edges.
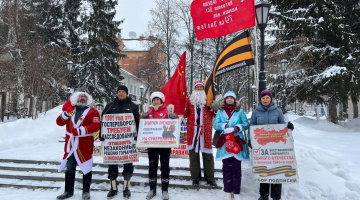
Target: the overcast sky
(136, 14)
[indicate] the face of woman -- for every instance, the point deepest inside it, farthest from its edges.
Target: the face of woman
(265, 100)
(156, 101)
(229, 100)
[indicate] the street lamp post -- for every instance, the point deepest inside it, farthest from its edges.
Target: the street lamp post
(69, 65)
(253, 87)
(262, 13)
(141, 97)
(284, 64)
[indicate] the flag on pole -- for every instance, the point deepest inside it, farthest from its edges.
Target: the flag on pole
(236, 54)
(175, 89)
(215, 18)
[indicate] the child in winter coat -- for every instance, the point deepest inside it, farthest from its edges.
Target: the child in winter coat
(158, 111)
(231, 145)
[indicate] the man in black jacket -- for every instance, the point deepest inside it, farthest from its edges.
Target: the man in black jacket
(121, 104)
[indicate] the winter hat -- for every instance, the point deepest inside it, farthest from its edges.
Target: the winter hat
(122, 87)
(230, 94)
(266, 92)
(198, 83)
(158, 95)
(82, 89)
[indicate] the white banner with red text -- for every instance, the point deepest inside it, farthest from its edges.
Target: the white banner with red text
(159, 133)
(273, 155)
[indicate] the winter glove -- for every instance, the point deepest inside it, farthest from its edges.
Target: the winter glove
(290, 126)
(224, 126)
(220, 141)
(101, 137)
(240, 142)
(172, 115)
(144, 115)
(215, 105)
(237, 129)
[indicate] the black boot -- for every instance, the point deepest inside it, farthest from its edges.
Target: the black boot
(86, 186)
(164, 188)
(69, 186)
(113, 189)
(126, 191)
(212, 183)
(152, 192)
(263, 197)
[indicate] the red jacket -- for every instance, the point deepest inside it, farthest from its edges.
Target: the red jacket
(88, 123)
(206, 128)
(161, 113)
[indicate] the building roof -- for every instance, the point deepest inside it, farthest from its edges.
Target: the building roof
(134, 45)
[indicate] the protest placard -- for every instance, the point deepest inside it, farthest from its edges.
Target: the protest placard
(97, 144)
(119, 131)
(273, 156)
(159, 133)
(181, 150)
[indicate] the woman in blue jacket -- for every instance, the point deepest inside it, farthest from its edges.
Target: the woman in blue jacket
(231, 145)
(267, 112)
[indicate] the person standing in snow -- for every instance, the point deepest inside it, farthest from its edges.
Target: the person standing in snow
(121, 104)
(231, 145)
(267, 112)
(81, 120)
(199, 135)
(158, 111)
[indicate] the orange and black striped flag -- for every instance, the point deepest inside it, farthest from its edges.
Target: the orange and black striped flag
(236, 54)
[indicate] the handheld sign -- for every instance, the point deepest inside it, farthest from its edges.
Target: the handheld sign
(273, 155)
(119, 131)
(159, 133)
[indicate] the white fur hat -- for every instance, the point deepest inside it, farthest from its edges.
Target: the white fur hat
(158, 95)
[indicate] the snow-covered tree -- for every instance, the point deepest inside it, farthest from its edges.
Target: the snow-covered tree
(98, 69)
(325, 35)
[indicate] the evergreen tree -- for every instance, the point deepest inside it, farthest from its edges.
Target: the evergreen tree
(98, 69)
(331, 58)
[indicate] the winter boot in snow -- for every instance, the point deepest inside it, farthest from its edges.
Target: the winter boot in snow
(126, 191)
(86, 186)
(152, 191)
(165, 195)
(164, 188)
(263, 197)
(227, 196)
(69, 186)
(237, 197)
(113, 189)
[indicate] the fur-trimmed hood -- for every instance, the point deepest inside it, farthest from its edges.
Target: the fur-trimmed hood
(75, 96)
(237, 107)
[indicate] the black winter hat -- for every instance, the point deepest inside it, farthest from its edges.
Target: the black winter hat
(122, 87)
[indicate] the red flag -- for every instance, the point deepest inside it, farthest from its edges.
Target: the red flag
(215, 18)
(175, 89)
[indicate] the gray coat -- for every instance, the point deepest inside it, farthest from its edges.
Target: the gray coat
(267, 115)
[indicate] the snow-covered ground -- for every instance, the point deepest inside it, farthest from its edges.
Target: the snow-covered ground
(327, 157)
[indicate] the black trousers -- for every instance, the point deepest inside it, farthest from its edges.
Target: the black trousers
(128, 170)
(275, 190)
(154, 154)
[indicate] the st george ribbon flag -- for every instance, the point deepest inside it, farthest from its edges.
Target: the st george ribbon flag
(236, 54)
(175, 89)
(215, 18)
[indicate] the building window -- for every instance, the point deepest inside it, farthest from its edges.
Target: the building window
(131, 89)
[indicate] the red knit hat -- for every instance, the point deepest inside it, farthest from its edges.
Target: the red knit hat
(198, 83)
